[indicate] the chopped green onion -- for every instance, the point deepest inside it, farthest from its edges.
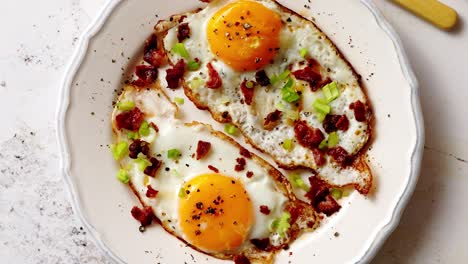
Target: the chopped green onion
(346, 193)
(292, 114)
(323, 144)
(336, 193)
(230, 129)
(333, 139)
(125, 105)
(281, 225)
(288, 144)
(321, 106)
(122, 176)
(281, 107)
(173, 154)
(196, 83)
(142, 162)
(274, 79)
(179, 49)
(284, 75)
(132, 135)
(303, 52)
(193, 65)
(182, 193)
(331, 92)
(144, 129)
(321, 116)
(298, 182)
(288, 93)
(179, 101)
(249, 84)
(119, 150)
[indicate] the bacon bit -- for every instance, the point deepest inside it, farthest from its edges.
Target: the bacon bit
(175, 74)
(329, 206)
(359, 111)
(144, 216)
(183, 32)
(341, 156)
(320, 198)
(205, 1)
(264, 209)
(154, 126)
(137, 147)
(307, 136)
(202, 149)
(240, 166)
(245, 153)
(249, 174)
(310, 75)
(248, 92)
(130, 120)
(150, 192)
(262, 78)
(333, 123)
(240, 259)
(151, 43)
(319, 157)
(213, 168)
(153, 168)
(272, 119)
(146, 74)
(214, 81)
(262, 244)
(151, 53)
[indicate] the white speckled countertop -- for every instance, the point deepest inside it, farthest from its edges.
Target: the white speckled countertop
(37, 224)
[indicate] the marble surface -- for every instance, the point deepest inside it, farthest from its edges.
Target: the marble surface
(37, 223)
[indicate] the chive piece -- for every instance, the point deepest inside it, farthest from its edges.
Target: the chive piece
(144, 129)
(321, 106)
(303, 52)
(333, 140)
(180, 49)
(284, 75)
(283, 224)
(249, 84)
(119, 150)
(274, 79)
(179, 101)
(126, 105)
(193, 65)
(132, 135)
(122, 176)
(288, 144)
(323, 144)
(196, 83)
(288, 93)
(173, 154)
(142, 162)
(336, 193)
(292, 115)
(182, 193)
(280, 107)
(298, 182)
(331, 91)
(321, 116)
(230, 129)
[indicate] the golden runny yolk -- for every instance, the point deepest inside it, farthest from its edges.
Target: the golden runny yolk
(245, 35)
(216, 213)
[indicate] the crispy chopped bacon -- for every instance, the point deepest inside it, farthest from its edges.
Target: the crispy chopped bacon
(341, 156)
(240, 259)
(310, 75)
(249, 174)
(138, 146)
(307, 136)
(146, 74)
(262, 244)
(272, 120)
(152, 55)
(360, 111)
(130, 120)
(262, 78)
(264, 209)
(240, 166)
(183, 32)
(144, 216)
(245, 153)
(214, 81)
(213, 168)
(150, 192)
(320, 198)
(153, 168)
(247, 92)
(203, 148)
(175, 74)
(333, 123)
(319, 157)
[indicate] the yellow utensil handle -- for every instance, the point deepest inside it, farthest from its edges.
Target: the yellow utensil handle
(432, 11)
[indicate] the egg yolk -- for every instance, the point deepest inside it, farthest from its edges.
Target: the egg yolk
(216, 213)
(245, 35)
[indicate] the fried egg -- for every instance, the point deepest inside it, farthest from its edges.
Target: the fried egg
(241, 38)
(218, 202)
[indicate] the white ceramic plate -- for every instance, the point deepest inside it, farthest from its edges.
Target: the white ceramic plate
(103, 204)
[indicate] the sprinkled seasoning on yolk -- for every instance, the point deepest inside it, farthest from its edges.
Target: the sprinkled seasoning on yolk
(245, 35)
(216, 214)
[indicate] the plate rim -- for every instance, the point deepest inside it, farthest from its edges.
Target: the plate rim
(94, 29)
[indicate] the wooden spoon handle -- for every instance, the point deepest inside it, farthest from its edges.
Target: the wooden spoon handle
(431, 10)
